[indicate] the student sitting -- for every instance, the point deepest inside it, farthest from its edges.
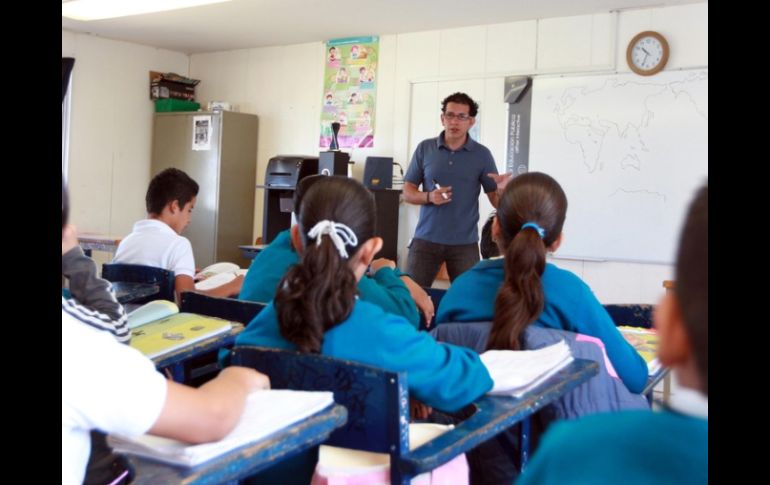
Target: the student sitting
(316, 309)
(114, 388)
(520, 288)
(93, 302)
(92, 299)
(632, 447)
(387, 288)
(156, 241)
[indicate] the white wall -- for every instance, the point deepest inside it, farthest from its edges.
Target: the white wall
(111, 129)
(283, 85)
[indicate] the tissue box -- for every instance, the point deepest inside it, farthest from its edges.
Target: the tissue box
(173, 86)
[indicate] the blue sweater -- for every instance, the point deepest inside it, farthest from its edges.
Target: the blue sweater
(444, 376)
(629, 447)
(384, 289)
(569, 305)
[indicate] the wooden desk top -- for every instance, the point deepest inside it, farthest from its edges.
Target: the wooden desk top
(99, 242)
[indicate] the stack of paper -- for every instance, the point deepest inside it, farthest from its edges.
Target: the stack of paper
(515, 372)
(266, 412)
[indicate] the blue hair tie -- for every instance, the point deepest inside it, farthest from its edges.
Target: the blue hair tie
(540, 231)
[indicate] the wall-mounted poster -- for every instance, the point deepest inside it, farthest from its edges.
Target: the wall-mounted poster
(350, 81)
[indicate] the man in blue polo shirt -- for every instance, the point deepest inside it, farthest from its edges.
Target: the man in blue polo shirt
(450, 168)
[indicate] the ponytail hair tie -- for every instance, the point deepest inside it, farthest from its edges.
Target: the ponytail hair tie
(340, 234)
(540, 231)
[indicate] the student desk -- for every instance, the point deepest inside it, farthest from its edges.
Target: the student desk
(248, 459)
(251, 251)
(495, 414)
(98, 242)
(174, 362)
(378, 406)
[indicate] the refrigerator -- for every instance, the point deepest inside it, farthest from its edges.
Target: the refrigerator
(218, 149)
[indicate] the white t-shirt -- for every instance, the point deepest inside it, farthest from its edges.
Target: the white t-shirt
(154, 243)
(106, 385)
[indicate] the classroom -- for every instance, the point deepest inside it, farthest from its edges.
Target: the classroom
(558, 91)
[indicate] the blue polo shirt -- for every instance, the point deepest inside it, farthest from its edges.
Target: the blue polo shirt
(465, 170)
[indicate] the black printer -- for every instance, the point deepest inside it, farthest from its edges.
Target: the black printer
(287, 170)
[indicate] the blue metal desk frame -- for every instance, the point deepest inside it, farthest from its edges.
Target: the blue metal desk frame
(246, 460)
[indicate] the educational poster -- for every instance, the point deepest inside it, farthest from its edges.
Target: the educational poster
(350, 81)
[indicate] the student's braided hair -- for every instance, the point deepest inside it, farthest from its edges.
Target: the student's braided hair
(537, 202)
(317, 294)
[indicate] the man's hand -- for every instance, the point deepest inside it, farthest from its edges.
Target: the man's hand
(441, 196)
(501, 180)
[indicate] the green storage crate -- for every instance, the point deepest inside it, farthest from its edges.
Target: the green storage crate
(170, 104)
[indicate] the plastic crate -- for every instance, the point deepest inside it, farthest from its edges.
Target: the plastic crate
(170, 104)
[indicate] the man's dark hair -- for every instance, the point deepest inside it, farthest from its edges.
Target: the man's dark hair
(167, 186)
(461, 98)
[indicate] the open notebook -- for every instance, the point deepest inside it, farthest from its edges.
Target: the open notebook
(514, 372)
(266, 412)
(217, 274)
(150, 312)
(179, 330)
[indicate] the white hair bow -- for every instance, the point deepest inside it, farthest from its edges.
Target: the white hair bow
(340, 234)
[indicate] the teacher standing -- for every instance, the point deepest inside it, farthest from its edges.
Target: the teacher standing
(452, 168)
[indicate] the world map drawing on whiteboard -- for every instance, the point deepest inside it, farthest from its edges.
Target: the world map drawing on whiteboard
(629, 152)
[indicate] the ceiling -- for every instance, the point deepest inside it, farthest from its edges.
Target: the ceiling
(240, 24)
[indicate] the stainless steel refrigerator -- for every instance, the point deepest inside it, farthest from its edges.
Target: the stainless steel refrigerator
(218, 149)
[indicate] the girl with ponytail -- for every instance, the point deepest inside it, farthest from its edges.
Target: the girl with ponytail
(316, 308)
(520, 288)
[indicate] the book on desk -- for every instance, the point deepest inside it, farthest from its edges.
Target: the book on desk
(645, 341)
(169, 333)
(266, 412)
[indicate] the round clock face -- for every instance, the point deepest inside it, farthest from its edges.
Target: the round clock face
(647, 53)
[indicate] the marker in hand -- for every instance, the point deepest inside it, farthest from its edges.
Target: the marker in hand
(443, 194)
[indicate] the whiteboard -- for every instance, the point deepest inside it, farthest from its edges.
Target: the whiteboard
(629, 152)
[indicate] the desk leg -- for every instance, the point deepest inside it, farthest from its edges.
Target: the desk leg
(666, 387)
(525, 433)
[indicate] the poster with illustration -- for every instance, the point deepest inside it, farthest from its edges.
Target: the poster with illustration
(350, 81)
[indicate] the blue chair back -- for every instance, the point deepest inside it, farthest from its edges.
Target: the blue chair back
(136, 273)
(241, 311)
(376, 399)
(631, 314)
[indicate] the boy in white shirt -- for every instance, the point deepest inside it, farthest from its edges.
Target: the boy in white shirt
(156, 241)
